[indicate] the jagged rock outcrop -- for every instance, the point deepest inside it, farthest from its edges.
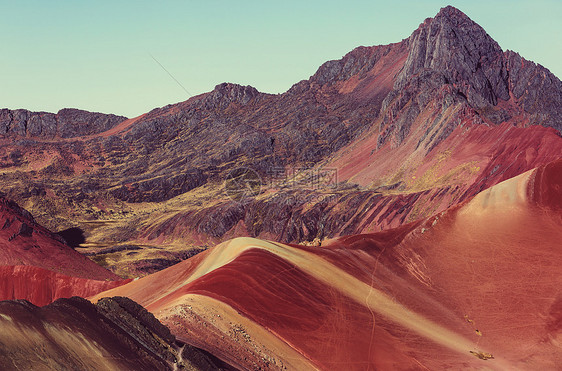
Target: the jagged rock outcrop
(454, 58)
(459, 49)
(536, 90)
(67, 123)
(226, 93)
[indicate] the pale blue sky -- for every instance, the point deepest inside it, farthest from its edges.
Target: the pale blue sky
(95, 55)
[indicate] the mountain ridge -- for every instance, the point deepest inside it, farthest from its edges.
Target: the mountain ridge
(448, 20)
(394, 121)
(66, 123)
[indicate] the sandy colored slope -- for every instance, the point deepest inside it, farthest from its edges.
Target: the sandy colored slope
(249, 339)
(331, 276)
(338, 279)
(481, 279)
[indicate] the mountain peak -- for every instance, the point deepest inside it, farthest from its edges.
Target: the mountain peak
(454, 19)
(226, 93)
(452, 13)
(457, 47)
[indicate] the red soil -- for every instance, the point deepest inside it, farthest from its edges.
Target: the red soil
(120, 128)
(482, 279)
(41, 287)
(509, 149)
(36, 266)
(40, 249)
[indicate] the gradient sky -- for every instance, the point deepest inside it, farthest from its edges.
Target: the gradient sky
(96, 55)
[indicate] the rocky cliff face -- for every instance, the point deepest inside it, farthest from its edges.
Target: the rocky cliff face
(453, 58)
(67, 123)
(535, 90)
(466, 56)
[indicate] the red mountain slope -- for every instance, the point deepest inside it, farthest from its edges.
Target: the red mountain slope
(24, 242)
(41, 287)
(37, 266)
(477, 287)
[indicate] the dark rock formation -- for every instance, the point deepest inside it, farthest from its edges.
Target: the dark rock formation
(537, 91)
(226, 93)
(452, 44)
(116, 333)
(67, 123)
(454, 53)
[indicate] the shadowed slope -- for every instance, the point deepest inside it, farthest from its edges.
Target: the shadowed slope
(115, 334)
(477, 286)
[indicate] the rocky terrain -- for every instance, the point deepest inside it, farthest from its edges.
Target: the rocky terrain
(67, 123)
(74, 334)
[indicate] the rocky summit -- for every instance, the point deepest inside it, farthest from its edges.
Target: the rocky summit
(67, 123)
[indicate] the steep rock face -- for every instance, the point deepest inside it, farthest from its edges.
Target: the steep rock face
(452, 57)
(117, 333)
(536, 90)
(67, 123)
(463, 52)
